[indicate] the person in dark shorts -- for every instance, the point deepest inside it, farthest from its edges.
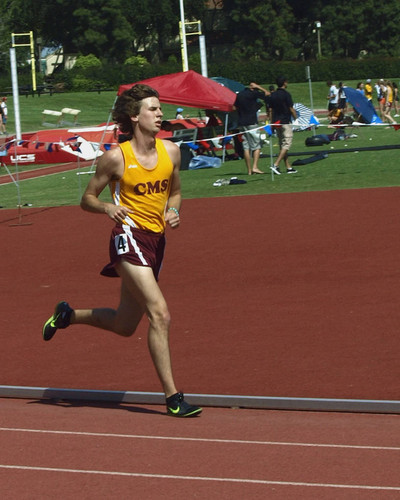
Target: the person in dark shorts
(143, 175)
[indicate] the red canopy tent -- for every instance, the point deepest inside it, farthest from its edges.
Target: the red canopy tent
(191, 89)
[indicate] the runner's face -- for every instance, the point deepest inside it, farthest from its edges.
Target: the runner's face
(150, 114)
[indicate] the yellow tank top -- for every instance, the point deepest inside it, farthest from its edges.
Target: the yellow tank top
(145, 191)
(389, 93)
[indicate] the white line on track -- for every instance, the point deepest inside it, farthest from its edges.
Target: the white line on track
(200, 478)
(202, 440)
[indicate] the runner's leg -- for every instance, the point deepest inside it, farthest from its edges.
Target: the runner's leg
(145, 291)
(122, 321)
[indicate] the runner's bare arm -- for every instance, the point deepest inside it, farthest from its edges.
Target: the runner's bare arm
(175, 197)
(110, 167)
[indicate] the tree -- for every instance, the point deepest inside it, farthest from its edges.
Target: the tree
(344, 27)
(351, 27)
(261, 30)
(96, 27)
(114, 30)
(110, 29)
(14, 19)
(156, 25)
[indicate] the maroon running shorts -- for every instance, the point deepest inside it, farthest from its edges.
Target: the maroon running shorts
(138, 247)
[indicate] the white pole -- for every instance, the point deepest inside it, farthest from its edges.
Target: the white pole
(14, 79)
(203, 55)
(225, 134)
(271, 156)
(308, 76)
(183, 39)
(318, 27)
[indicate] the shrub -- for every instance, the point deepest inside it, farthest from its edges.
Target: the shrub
(80, 83)
(136, 61)
(87, 62)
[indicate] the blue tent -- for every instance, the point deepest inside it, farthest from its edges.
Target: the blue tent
(227, 82)
(362, 105)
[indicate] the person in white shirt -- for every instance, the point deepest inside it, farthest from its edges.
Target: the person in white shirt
(4, 113)
(179, 115)
(333, 96)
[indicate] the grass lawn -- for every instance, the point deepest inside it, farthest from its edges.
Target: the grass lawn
(350, 170)
(95, 108)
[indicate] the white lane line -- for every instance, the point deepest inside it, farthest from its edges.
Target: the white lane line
(200, 478)
(202, 440)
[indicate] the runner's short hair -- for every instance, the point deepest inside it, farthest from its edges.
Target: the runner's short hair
(129, 103)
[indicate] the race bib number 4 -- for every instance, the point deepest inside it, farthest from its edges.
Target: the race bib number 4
(121, 244)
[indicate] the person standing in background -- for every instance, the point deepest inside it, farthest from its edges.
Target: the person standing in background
(396, 98)
(4, 113)
(282, 112)
(342, 100)
(247, 104)
(333, 96)
(368, 90)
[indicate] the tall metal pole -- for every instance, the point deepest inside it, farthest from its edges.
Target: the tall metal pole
(14, 80)
(318, 26)
(33, 62)
(308, 76)
(203, 55)
(182, 33)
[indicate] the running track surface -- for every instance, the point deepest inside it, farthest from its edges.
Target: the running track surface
(48, 170)
(52, 450)
(279, 295)
(286, 295)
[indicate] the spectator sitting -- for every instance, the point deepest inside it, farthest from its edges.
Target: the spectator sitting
(179, 115)
(335, 116)
(170, 127)
(211, 119)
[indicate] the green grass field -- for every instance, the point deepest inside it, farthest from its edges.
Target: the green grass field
(95, 108)
(350, 170)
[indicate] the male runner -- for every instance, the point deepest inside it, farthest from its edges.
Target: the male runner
(143, 174)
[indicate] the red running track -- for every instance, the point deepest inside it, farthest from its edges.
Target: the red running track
(292, 295)
(39, 172)
(285, 295)
(70, 450)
